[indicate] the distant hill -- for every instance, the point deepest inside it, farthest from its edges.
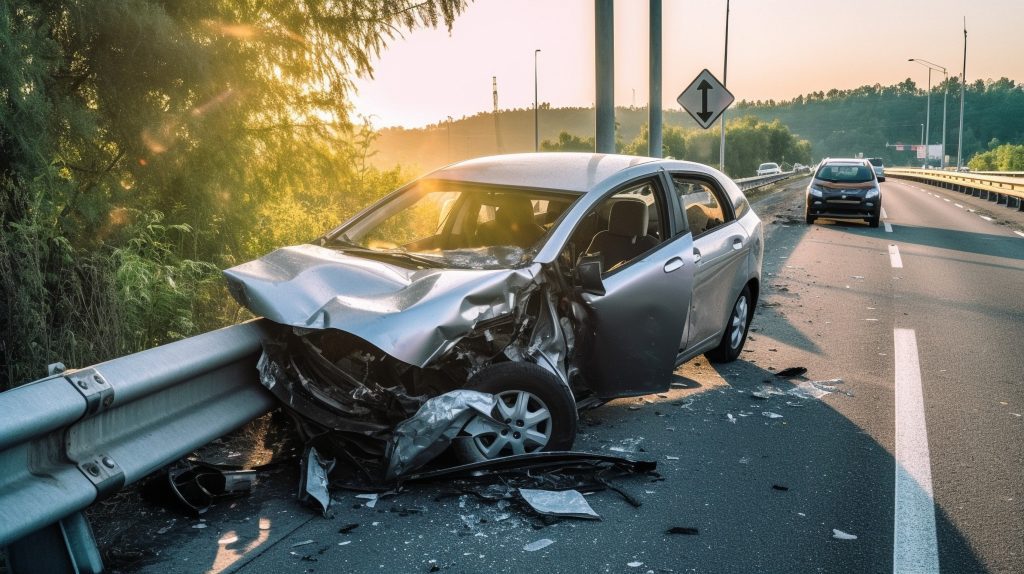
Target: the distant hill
(836, 123)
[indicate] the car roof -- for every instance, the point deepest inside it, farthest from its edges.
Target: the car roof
(568, 171)
(843, 161)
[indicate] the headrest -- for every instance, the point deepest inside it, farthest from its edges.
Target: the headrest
(628, 219)
(511, 211)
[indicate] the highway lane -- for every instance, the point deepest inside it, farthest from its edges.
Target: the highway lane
(766, 493)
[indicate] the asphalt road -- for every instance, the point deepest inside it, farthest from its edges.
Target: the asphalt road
(917, 452)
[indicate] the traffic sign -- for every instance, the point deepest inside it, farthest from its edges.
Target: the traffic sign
(705, 99)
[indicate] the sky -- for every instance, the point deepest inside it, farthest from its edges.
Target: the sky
(778, 49)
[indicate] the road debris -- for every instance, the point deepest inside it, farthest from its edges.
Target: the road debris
(538, 545)
(689, 531)
(780, 487)
(567, 503)
(313, 479)
(197, 485)
(791, 372)
(771, 415)
(634, 564)
(348, 528)
(840, 535)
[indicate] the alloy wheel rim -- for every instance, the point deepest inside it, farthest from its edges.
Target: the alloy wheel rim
(738, 324)
(520, 423)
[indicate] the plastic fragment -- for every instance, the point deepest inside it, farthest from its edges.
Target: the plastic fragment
(538, 545)
(567, 503)
(634, 564)
(313, 481)
(347, 528)
(199, 526)
(780, 487)
(687, 530)
(771, 415)
(303, 543)
(371, 499)
(731, 418)
(840, 535)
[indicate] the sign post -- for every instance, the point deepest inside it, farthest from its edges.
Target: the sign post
(705, 99)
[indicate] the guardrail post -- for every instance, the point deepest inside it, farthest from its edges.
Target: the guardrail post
(65, 547)
(1001, 199)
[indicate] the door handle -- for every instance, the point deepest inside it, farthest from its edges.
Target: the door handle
(737, 243)
(696, 255)
(673, 264)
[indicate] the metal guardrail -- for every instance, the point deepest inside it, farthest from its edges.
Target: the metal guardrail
(755, 182)
(69, 440)
(1000, 189)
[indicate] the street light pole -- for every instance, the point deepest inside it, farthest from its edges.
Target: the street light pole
(933, 66)
(536, 124)
(963, 78)
(725, 76)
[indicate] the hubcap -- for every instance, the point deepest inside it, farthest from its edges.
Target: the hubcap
(738, 322)
(520, 423)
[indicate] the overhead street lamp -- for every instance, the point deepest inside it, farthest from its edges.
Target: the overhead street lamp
(945, 93)
(536, 124)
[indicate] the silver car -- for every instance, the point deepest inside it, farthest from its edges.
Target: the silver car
(551, 281)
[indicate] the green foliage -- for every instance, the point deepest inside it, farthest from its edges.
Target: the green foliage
(146, 144)
(569, 142)
(1006, 157)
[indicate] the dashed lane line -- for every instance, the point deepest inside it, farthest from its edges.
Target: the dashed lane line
(958, 205)
(986, 218)
(894, 257)
(915, 544)
(1019, 233)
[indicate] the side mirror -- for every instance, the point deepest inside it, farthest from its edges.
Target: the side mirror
(589, 272)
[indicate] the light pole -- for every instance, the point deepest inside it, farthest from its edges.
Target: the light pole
(945, 93)
(536, 124)
(725, 76)
(449, 139)
(963, 78)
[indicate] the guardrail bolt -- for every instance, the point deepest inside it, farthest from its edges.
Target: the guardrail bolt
(82, 384)
(98, 379)
(92, 469)
(108, 462)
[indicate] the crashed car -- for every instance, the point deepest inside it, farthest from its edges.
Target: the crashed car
(550, 282)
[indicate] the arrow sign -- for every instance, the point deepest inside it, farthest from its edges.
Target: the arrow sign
(705, 99)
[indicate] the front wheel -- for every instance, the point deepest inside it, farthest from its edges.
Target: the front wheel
(534, 412)
(873, 222)
(735, 334)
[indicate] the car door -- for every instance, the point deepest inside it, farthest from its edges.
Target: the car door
(719, 246)
(639, 319)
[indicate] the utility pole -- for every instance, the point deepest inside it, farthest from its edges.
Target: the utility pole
(536, 110)
(654, 141)
(963, 80)
(604, 52)
(725, 76)
(933, 66)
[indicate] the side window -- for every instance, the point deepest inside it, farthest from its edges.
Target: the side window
(703, 204)
(622, 227)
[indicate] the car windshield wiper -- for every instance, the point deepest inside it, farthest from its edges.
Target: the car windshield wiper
(400, 255)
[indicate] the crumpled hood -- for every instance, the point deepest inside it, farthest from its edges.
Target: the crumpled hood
(414, 315)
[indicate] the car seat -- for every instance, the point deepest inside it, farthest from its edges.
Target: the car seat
(626, 236)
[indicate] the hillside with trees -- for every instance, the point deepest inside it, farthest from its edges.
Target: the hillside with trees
(870, 120)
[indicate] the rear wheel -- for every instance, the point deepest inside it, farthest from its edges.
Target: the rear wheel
(534, 412)
(735, 334)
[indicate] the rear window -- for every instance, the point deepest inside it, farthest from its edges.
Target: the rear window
(876, 161)
(845, 173)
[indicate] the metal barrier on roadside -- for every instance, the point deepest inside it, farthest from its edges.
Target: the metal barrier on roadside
(71, 439)
(748, 183)
(1001, 190)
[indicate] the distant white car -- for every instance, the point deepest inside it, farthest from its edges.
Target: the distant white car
(769, 168)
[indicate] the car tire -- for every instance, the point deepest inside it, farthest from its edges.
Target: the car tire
(873, 222)
(537, 412)
(809, 218)
(735, 335)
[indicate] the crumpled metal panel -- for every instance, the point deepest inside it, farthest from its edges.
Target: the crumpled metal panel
(414, 315)
(426, 434)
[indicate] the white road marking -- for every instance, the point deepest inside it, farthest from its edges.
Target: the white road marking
(958, 205)
(1019, 233)
(888, 226)
(894, 257)
(946, 200)
(884, 215)
(985, 218)
(915, 546)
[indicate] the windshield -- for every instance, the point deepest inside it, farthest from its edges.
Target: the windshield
(876, 161)
(456, 225)
(767, 166)
(845, 173)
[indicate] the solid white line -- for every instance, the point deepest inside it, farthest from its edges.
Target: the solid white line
(884, 216)
(915, 547)
(894, 257)
(1019, 233)
(888, 226)
(985, 218)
